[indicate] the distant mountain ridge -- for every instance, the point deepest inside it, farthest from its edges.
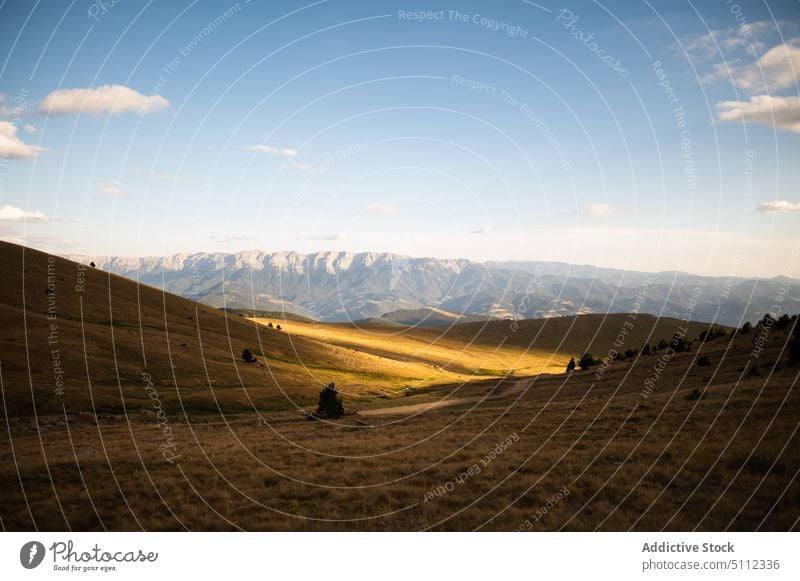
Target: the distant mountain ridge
(344, 286)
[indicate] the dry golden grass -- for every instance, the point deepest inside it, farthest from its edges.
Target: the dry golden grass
(725, 461)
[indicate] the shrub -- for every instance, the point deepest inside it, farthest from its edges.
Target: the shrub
(695, 395)
(247, 356)
(330, 406)
(703, 361)
(571, 364)
(646, 349)
(783, 322)
(587, 361)
(680, 344)
(712, 333)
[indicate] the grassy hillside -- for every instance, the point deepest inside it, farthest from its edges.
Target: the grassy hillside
(495, 348)
(77, 338)
(134, 437)
(710, 447)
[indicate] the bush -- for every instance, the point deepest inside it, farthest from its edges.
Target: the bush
(783, 322)
(746, 328)
(646, 349)
(571, 364)
(587, 361)
(247, 356)
(695, 395)
(703, 361)
(712, 333)
(330, 406)
(680, 344)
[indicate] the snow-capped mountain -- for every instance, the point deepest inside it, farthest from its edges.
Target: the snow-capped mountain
(342, 286)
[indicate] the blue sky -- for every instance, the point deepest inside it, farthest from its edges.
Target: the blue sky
(654, 136)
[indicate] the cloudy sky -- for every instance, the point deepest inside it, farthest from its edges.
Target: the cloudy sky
(656, 137)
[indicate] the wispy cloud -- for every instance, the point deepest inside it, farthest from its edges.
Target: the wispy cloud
(6, 111)
(113, 99)
(781, 207)
(727, 41)
(381, 209)
(598, 210)
(283, 151)
(30, 129)
(481, 231)
(778, 112)
(742, 55)
(109, 189)
(9, 213)
(11, 146)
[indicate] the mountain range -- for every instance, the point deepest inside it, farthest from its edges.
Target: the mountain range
(343, 286)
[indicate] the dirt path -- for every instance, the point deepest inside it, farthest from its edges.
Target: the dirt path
(406, 410)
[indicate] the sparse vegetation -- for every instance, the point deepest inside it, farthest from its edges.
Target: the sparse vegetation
(587, 361)
(711, 334)
(330, 406)
(695, 395)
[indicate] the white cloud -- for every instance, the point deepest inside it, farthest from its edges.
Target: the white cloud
(109, 189)
(778, 112)
(114, 99)
(381, 209)
(738, 38)
(6, 111)
(776, 69)
(285, 151)
(30, 129)
(481, 230)
(9, 213)
(781, 206)
(598, 210)
(12, 146)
